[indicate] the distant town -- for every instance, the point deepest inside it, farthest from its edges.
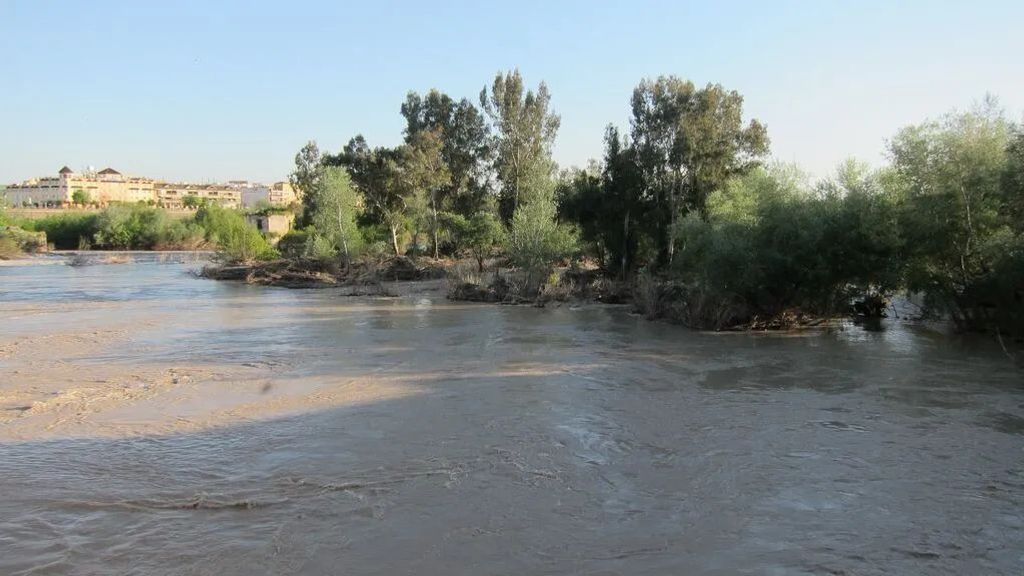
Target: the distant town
(92, 188)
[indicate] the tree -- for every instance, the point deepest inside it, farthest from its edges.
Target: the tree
(689, 143)
(955, 216)
(466, 145)
(608, 205)
(375, 172)
(306, 178)
(425, 175)
(1013, 179)
(535, 238)
(80, 197)
(191, 201)
(478, 235)
(336, 208)
(236, 239)
(526, 130)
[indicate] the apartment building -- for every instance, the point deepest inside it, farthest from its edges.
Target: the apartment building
(110, 186)
(103, 187)
(182, 195)
(277, 194)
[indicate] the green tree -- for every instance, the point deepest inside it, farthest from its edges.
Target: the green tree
(336, 210)
(956, 216)
(689, 142)
(80, 197)
(466, 145)
(191, 201)
(236, 239)
(608, 205)
(306, 179)
(425, 176)
(478, 235)
(375, 172)
(535, 238)
(526, 130)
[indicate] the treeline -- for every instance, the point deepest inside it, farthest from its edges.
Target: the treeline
(684, 208)
(143, 227)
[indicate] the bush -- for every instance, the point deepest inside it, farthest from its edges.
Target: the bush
(293, 244)
(770, 246)
(536, 240)
(143, 227)
(236, 239)
(66, 230)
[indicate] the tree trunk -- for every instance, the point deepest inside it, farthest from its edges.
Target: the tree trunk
(394, 239)
(433, 206)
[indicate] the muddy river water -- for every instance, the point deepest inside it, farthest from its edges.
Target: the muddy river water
(155, 423)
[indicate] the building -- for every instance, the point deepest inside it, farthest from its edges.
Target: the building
(110, 186)
(103, 187)
(273, 226)
(182, 195)
(278, 194)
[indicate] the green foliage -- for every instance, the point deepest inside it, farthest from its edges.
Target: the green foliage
(525, 129)
(535, 238)
(192, 201)
(9, 248)
(306, 180)
(237, 240)
(466, 149)
(143, 227)
(689, 142)
(80, 197)
(293, 244)
(376, 175)
(64, 230)
(334, 219)
(424, 177)
(477, 235)
(959, 201)
(769, 244)
(608, 204)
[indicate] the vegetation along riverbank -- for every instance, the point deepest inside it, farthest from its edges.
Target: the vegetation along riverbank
(684, 215)
(134, 227)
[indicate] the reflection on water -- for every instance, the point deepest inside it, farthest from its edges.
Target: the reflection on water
(513, 440)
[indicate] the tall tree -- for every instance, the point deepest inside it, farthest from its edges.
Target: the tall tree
(690, 142)
(375, 173)
(425, 175)
(526, 130)
(336, 208)
(466, 145)
(306, 179)
(957, 229)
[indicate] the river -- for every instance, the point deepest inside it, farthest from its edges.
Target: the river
(155, 423)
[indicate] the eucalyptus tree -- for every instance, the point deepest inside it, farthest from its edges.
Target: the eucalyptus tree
(466, 146)
(306, 179)
(525, 131)
(375, 173)
(689, 142)
(425, 176)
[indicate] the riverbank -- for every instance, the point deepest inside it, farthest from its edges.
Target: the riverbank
(464, 282)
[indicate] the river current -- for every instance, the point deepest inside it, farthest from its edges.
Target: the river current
(157, 423)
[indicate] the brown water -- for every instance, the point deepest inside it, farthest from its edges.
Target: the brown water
(153, 423)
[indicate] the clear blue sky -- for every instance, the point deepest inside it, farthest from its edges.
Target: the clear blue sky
(217, 90)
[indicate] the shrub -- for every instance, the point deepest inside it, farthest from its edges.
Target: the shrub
(236, 239)
(536, 240)
(64, 230)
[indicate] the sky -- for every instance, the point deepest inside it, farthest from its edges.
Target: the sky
(206, 91)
